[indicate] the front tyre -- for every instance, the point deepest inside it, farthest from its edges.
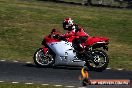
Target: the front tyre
(100, 61)
(43, 60)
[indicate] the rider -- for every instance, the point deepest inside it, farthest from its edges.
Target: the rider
(74, 30)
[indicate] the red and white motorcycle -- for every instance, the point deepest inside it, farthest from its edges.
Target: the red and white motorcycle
(58, 52)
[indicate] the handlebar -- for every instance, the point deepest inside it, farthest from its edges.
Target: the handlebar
(57, 36)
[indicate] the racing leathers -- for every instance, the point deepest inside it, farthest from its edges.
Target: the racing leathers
(80, 38)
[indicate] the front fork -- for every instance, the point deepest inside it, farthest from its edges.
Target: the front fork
(45, 49)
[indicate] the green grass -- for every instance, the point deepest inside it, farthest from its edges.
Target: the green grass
(73, 0)
(80, 1)
(24, 23)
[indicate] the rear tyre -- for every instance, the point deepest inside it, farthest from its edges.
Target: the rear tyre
(100, 61)
(43, 60)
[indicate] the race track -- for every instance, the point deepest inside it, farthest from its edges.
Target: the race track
(24, 72)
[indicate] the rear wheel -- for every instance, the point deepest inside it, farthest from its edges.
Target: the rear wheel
(43, 60)
(100, 61)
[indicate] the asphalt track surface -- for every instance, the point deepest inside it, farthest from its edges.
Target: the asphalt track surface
(23, 72)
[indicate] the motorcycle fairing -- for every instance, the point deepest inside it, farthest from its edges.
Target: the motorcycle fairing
(65, 54)
(92, 40)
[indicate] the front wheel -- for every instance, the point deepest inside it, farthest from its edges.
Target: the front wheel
(43, 60)
(100, 61)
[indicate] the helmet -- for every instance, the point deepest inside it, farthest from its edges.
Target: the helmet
(67, 24)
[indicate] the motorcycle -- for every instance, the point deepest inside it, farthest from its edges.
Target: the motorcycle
(62, 52)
